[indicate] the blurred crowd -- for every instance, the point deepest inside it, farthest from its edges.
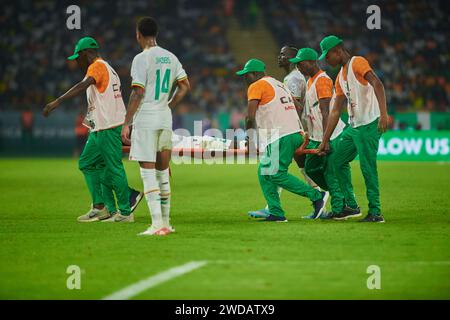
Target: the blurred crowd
(35, 43)
(410, 53)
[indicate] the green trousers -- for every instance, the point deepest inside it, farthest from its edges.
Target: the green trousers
(362, 141)
(321, 171)
(101, 164)
(273, 173)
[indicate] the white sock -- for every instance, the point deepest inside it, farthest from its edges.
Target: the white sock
(309, 180)
(279, 189)
(164, 186)
(151, 191)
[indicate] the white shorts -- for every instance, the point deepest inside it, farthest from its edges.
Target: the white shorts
(145, 143)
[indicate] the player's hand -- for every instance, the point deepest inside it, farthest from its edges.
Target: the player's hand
(324, 148)
(50, 107)
(247, 141)
(126, 135)
(383, 123)
(250, 145)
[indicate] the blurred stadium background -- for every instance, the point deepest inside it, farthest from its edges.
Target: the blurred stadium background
(213, 39)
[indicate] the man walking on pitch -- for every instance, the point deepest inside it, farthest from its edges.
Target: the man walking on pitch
(296, 84)
(101, 159)
(272, 111)
(366, 103)
(154, 71)
(317, 105)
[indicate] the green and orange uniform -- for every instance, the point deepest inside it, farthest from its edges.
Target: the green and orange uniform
(362, 137)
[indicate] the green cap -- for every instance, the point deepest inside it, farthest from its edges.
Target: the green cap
(251, 66)
(327, 44)
(305, 54)
(82, 44)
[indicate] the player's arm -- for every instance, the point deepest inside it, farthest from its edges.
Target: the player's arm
(332, 122)
(76, 90)
(298, 105)
(139, 71)
(250, 121)
(378, 88)
(324, 89)
(299, 91)
(324, 105)
(136, 96)
(183, 87)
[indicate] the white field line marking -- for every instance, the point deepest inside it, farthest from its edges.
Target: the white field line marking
(150, 282)
(293, 262)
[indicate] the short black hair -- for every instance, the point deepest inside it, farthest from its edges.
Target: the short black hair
(147, 26)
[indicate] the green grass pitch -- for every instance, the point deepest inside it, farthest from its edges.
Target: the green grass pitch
(40, 237)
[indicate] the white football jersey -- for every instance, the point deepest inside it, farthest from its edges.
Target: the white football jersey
(296, 83)
(156, 70)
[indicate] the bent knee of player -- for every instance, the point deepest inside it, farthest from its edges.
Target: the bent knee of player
(83, 165)
(279, 176)
(309, 170)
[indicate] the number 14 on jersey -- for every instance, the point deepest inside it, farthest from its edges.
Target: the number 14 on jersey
(162, 87)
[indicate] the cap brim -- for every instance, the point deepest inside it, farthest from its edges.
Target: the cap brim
(73, 57)
(241, 72)
(295, 60)
(323, 55)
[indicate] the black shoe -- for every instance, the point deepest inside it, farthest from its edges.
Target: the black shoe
(135, 198)
(352, 212)
(346, 213)
(271, 217)
(373, 218)
(327, 215)
(319, 205)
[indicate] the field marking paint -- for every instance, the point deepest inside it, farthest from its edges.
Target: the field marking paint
(293, 262)
(152, 281)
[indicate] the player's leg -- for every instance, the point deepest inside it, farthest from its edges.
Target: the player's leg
(315, 169)
(264, 212)
(162, 174)
(89, 165)
(281, 153)
(367, 145)
(110, 145)
(92, 165)
(343, 152)
(347, 190)
(337, 197)
(301, 160)
(144, 143)
(107, 193)
(314, 166)
(101, 183)
(271, 195)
